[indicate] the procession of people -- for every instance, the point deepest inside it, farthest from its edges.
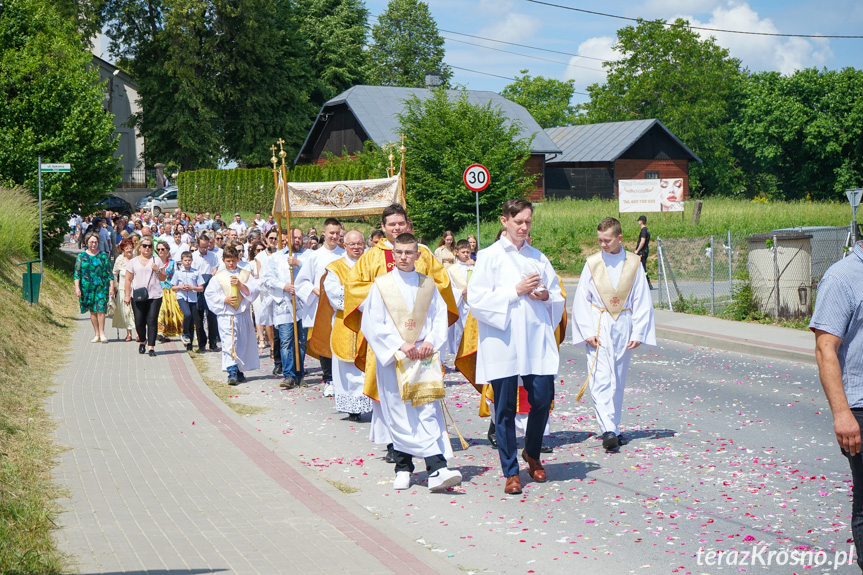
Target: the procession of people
(383, 315)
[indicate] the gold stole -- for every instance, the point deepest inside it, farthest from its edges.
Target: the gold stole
(613, 299)
(465, 357)
(332, 337)
(371, 265)
(420, 381)
(458, 277)
(224, 280)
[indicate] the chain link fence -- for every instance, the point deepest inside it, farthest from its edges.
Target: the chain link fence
(773, 274)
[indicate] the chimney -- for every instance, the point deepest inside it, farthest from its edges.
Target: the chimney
(433, 79)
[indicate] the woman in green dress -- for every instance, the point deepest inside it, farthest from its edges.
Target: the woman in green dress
(94, 285)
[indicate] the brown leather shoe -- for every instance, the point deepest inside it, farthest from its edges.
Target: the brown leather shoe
(513, 485)
(535, 468)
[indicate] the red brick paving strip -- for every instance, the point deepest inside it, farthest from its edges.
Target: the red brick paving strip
(373, 541)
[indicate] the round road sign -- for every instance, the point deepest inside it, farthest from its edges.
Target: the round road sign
(476, 177)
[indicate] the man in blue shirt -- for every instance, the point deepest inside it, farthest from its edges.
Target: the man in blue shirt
(838, 326)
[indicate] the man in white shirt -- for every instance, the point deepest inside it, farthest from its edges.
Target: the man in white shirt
(259, 221)
(206, 263)
(515, 296)
(238, 224)
(308, 289)
(177, 247)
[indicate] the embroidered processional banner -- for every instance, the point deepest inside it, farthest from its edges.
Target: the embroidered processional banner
(342, 199)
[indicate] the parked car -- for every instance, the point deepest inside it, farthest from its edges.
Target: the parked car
(115, 204)
(158, 201)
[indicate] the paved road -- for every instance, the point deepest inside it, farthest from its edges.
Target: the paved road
(728, 451)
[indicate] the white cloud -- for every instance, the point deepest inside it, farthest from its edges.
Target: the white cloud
(513, 27)
(761, 52)
(586, 71)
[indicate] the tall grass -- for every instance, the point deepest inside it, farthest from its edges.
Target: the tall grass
(19, 223)
(565, 230)
(30, 339)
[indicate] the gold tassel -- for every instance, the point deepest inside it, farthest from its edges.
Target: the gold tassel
(464, 444)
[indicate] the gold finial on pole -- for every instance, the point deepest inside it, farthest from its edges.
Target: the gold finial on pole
(391, 157)
(282, 154)
(273, 159)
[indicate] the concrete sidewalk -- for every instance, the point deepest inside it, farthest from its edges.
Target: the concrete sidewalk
(164, 478)
(742, 337)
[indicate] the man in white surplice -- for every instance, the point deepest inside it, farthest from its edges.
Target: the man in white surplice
(348, 379)
(308, 288)
(612, 314)
(515, 296)
(417, 431)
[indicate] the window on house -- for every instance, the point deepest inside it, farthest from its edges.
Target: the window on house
(651, 175)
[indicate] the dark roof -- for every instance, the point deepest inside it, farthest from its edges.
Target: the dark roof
(603, 142)
(376, 109)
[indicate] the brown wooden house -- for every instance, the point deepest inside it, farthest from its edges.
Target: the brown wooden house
(595, 157)
(370, 113)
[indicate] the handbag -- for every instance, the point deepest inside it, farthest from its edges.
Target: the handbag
(142, 293)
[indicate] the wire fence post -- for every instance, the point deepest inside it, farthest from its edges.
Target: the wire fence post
(712, 279)
(776, 273)
(730, 270)
(659, 268)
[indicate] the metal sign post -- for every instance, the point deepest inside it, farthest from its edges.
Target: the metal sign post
(55, 169)
(854, 199)
(476, 178)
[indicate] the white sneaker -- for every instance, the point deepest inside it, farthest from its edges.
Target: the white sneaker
(329, 390)
(184, 339)
(95, 339)
(403, 480)
(443, 479)
(103, 339)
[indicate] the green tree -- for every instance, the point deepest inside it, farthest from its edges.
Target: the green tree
(548, 100)
(801, 136)
(52, 105)
(445, 134)
(405, 45)
(689, 84)
(217, 79)
(334, 32)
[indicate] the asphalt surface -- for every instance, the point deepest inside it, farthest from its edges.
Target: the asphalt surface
(728, 452)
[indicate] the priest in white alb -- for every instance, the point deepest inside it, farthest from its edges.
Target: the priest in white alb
(515, 296)
(404, 321)
(612, 314)
(331, 337)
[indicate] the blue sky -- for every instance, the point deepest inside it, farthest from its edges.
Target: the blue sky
(522, 22)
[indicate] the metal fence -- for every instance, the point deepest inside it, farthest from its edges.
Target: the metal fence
(139, 178)
(774, 274)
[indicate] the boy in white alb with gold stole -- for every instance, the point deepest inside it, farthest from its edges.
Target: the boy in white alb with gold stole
(612, 314)
(404, 320)
(230, 295)
(459, 275)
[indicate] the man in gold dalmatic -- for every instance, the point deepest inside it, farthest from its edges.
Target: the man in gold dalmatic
(378, 261)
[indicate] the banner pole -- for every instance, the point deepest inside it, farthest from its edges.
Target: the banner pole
(287, 205)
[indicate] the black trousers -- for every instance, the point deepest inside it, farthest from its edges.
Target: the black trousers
(277, 354)
(856, 463)
(326, 368)
(146, 319)
(202, 313)
(190, 318)
(404, 462)
(643, 255)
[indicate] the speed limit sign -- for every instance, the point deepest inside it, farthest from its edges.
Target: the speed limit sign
(476, 177)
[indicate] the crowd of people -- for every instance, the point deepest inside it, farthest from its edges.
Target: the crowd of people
(380, 313)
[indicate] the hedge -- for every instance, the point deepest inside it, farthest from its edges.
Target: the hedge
(252, 190)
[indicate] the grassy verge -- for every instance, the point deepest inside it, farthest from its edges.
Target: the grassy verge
(27, 452)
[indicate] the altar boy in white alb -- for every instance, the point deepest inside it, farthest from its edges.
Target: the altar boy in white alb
(515, 296)
(459, 275)
(612, 314)
(405, 323)
(230, 295)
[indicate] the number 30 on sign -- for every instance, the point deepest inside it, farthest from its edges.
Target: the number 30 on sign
(476, 177)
